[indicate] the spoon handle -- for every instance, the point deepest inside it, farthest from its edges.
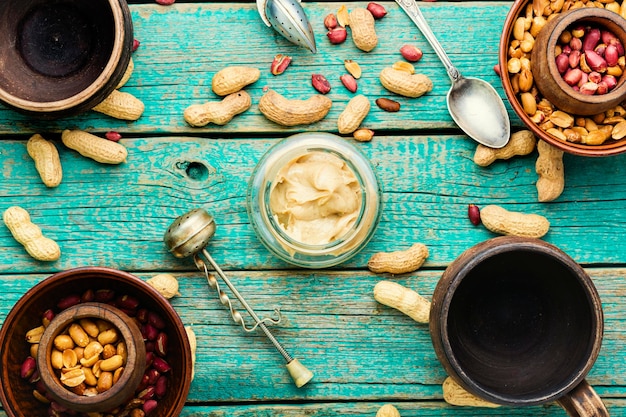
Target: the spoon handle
(415, 14)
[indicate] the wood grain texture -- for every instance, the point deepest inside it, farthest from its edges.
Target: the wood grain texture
(359, 350)
(117, 215)
(184, 45)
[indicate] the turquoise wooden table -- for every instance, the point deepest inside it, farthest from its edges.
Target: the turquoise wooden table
(363, 354)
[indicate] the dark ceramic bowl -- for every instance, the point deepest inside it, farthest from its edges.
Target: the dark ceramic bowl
(63, 57)
(17, 393)
(548, 83)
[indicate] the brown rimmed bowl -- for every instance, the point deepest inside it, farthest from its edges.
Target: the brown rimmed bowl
(549, 82)
(62, 57)
(16, 393)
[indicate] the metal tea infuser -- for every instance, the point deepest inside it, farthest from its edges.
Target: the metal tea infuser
(287, 17)
(188, 236)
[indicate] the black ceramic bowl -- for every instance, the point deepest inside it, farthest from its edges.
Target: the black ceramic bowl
(16, 393)
(62, 57)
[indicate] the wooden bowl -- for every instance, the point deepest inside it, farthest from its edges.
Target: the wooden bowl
(62, 58)
(547, 77)
(134, 367)
(549, 82)
(16, 393)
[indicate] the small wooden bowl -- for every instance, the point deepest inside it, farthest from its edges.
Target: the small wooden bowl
(16, 394)
(134, 368)
(546, 75)
(62, 58)
(518, 9)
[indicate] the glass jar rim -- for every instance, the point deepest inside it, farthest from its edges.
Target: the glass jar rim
(274, 237)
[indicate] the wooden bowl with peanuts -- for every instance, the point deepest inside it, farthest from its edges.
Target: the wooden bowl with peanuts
(91, 311)
(563, 72)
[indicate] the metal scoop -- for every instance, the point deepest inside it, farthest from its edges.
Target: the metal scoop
(188, 236)
(473, 103)
(287, 17)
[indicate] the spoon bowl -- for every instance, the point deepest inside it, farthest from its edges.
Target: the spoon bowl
(474, 104)
(477, 108)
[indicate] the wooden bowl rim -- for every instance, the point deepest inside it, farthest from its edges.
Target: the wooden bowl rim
(118, 56)
(130, 378)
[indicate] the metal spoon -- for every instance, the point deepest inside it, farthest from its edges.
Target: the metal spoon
(473, 103)
(288, 18)
(189, 235)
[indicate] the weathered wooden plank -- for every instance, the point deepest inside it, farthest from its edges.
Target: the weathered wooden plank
(117, 215)
(358, 349)
(183, 45)
(407, 409)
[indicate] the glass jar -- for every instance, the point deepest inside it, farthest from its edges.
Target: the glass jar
(274, 235)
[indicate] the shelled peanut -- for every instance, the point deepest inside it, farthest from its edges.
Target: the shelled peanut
(589, 130)
(89, 357)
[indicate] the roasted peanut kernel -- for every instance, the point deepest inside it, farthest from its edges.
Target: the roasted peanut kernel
(562, 119)
(78, 335)
(62, 342)
(404, 66)
(108, 337)
(557, 134)
(353, 68)
(514, 65)
(69, 358)
(529, 104)
(112, 363)
(40, 397)
(108, 351)
(343, 16)
(619, 131)
(122, 351)
(56, 359)
(117, 374)
(105, 382)
(34, 348)
(90, 378)
(73, 378)
(92, 349)
(34, 335)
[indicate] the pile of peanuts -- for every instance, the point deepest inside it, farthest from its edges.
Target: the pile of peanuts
(90, 356)
(590, 130)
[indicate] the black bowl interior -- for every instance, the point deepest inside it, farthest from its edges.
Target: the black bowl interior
(522, 326)
(53, 49)
(17, 394)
